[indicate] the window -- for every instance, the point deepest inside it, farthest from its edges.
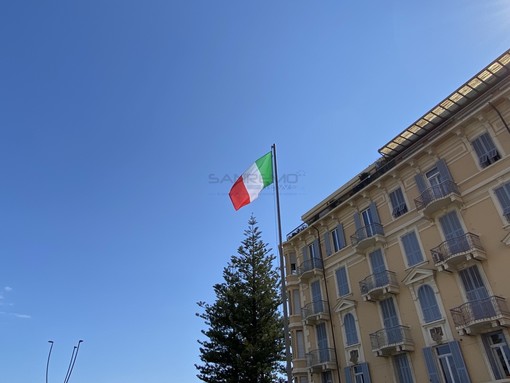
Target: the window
(398, 203)
(300, 345)
(412, 249)
(342, 282)
(334, 240)
(338, 238)
(296, 303)
(293, 264)
(367, 224)
(498, 353)
(322, 343)
(391, 321)
(454, 233)
(503, 195)
(428, 304)
(358, 373)
(311, 256)
(351, 335)
(485, 150)
(402, 369)
(378, 268)
(318, 304)
(446, 364)
(327, 377)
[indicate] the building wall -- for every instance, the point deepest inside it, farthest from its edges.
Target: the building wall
(479, 213)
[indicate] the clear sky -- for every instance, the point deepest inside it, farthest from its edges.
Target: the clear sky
(123, 124)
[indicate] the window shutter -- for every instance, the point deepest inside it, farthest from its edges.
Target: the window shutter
(341, 236)
(443, 170)
(420, 182)
(459, 362)
(488, 351)
(316, 249)
(342, 283)
(431, 365)
(327, 243)
(306, 256)
(373, 213)
(366, 372)
(348, 375)
(357, 221)
(503, 195)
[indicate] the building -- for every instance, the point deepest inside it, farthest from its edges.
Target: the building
(403, 273)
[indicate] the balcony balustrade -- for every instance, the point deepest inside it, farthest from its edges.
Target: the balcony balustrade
(475, 316)
(321, 360)
(315, 312)
(310, 268)
(391, 341)
(368, 236)
(377, 286)
(435, 198)
(456, 250)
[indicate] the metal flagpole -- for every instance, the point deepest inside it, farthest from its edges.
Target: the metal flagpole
(282, 272)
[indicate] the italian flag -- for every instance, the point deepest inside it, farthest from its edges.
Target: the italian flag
(249, 185)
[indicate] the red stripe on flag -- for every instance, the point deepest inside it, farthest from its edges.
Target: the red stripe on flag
(238, 194)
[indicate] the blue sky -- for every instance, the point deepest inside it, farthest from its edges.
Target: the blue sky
(122, 124)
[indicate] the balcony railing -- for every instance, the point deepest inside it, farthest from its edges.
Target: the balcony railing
(468, 244)
(492, 312)
(309, 266)
(389, 341)
(321, 359)
(366, 232)
(434, 193)
(379, 284)
(315, 312)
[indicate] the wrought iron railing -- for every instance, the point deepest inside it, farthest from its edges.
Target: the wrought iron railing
(314, 308)
(457, 245)
(297, 230)
(378, 280)
(366, 232)
(391, 336)
(317, 357)
(479, 310)
(436, 192)
(309, 265)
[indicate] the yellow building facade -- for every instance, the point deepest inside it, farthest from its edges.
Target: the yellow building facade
(403, 274)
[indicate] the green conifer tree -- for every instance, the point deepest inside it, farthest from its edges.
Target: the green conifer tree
(245, 339)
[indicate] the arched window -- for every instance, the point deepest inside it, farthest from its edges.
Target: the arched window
(351, 334)
(428, 304)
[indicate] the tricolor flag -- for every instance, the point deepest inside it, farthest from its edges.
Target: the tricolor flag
(249, 185)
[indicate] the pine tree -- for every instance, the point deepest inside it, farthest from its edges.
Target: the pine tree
(245, 341)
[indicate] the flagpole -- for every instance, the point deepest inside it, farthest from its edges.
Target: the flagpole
(282, 273)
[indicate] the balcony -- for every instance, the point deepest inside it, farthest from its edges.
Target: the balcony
(321, 360)
(456, 250)
(437, 197)
(391, 341)
(368, 236)
(377, 286)
(476, 316)
(315, 312)
(310, 268)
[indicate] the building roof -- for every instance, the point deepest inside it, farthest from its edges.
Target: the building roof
(463, 96)
(478, 85)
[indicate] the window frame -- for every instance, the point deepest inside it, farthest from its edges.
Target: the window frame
(485, 149)
(407, 253)
(397, 196)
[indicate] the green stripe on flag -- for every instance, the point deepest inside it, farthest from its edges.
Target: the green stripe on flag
(265, 166)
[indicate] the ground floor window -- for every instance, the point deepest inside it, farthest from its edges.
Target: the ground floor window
(445, 364)
(358, 373)
(498, 353)
(402, 368)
